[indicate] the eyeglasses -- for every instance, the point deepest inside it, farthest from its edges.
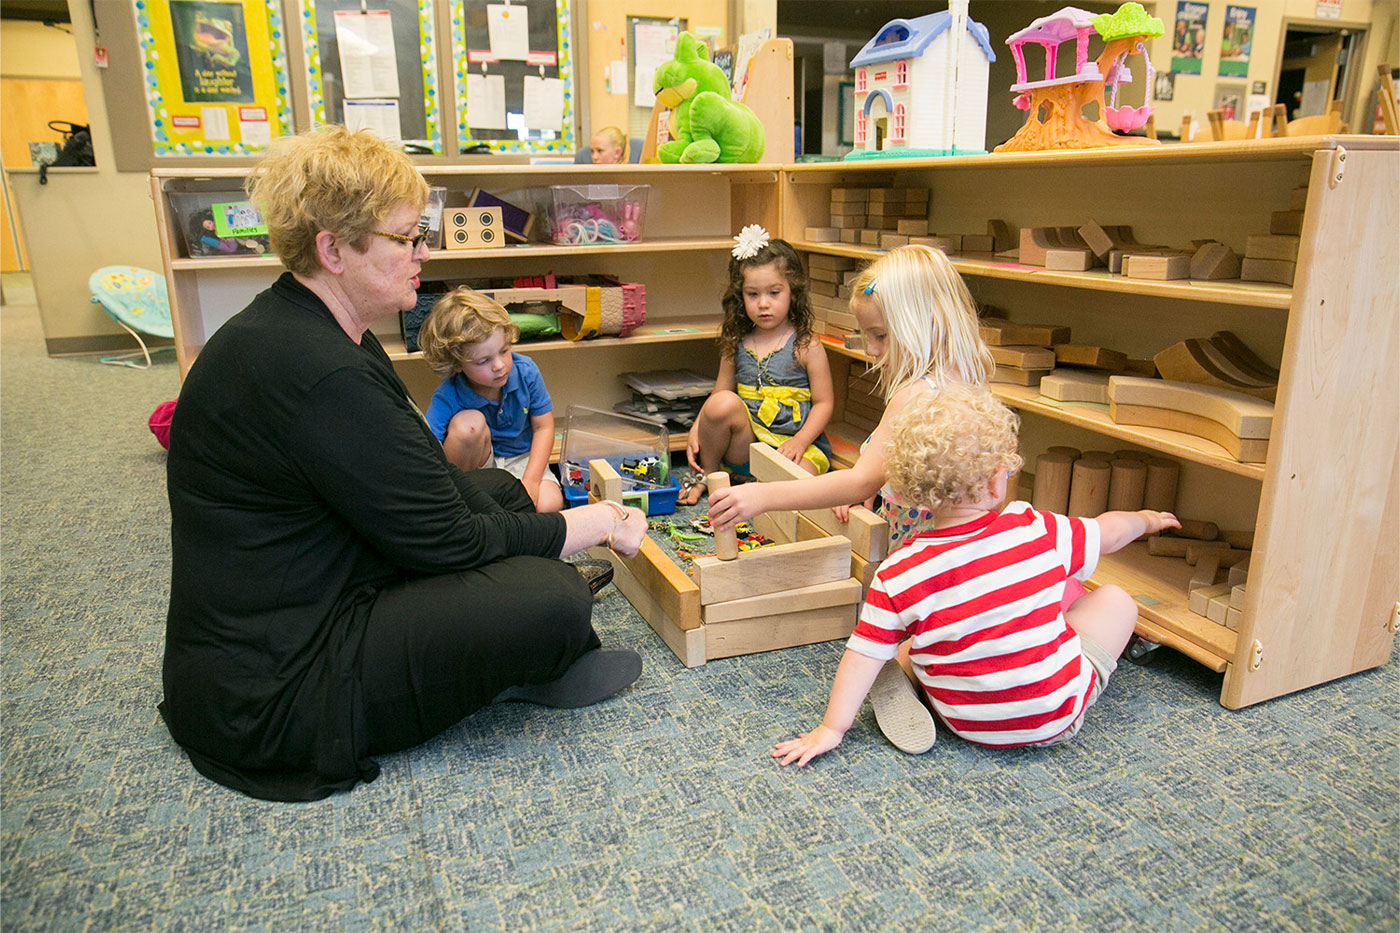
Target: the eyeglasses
(417, 240)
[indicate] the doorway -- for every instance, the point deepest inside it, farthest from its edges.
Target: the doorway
(1316, 67)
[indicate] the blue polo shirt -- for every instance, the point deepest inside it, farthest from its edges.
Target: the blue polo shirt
(523, 395)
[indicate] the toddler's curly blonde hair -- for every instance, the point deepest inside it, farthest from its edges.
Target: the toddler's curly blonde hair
(946, 447)
(459, 319)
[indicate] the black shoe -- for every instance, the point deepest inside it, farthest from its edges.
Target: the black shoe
(595, 676)
(598, 573)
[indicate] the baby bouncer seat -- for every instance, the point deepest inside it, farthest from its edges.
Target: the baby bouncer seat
(137, 300)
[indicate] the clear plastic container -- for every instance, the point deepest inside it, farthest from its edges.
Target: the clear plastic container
(432, 216)
(590, 214)
(203, 218)
(639, 450)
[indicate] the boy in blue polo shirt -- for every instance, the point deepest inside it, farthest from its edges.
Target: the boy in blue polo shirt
(491, 408)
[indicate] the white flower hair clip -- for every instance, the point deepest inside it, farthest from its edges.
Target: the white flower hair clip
(750, 240)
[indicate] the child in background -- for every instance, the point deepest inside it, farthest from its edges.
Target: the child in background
(979, 597)
(774, 382)
(491, 408)
(608, 146)
(920, 325)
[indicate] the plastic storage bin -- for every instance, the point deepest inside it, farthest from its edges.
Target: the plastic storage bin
(219, 223)
(589, 214)
(637, 449)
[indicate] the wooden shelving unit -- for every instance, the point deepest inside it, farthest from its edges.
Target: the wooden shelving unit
(1325, 574)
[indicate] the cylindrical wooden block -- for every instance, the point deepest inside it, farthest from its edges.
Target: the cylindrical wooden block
(1132, 455)
(1052, 476)
(1201, 531)
(726, 542)
(1088, 488)
(1099, 455)
(1159, 546)
(1160, 493)
(1126, 485)
(1071, 452)
(1240, 539)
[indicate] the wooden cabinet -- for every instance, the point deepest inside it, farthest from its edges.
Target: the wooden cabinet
(691, 216)
(1325, 573)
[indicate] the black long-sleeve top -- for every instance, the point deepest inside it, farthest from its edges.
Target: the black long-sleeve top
(302, 480)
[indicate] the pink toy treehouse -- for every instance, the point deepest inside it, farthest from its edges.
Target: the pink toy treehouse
(1056, 105)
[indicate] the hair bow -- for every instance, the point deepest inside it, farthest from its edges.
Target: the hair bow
(750, 240)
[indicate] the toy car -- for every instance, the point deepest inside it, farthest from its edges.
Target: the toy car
(649, 469)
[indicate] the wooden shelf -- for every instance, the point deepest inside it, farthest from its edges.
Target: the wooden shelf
(986, 265)
(665, 330)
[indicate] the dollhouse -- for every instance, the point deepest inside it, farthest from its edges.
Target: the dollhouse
(921, 87)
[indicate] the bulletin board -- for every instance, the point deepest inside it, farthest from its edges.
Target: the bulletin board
(388, 50)
(513, 63)
(215, 74)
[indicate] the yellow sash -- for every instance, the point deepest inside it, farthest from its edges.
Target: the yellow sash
(771, 399)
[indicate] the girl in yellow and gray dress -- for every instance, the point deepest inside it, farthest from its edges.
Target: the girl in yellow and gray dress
(774, 382)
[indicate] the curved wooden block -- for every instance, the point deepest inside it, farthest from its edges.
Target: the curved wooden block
(1241, 415)
(1228, 343)
(1199, 361)
(1244, 450)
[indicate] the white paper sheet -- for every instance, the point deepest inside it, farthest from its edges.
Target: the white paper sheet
(652, 45)
(215, 120)
(618, 71)
(508, 25)
(544, 103)
(486, 102)
(380, 116)
(368, 67)
(254, 132)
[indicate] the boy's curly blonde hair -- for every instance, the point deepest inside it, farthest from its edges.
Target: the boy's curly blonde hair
(946, 447)
(459, 319)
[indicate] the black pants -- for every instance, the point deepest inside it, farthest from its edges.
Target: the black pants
(439, 648)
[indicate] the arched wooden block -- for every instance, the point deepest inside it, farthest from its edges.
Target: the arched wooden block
(1244, 450)
(1232, 346)
(1241, 415)
(1201, 362)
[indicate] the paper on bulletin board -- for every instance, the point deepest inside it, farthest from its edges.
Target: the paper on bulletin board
(203, 60)
(544, 103)
(509, 29)
(652, 44)
(368, 66)
(379, 116)
(486, 101)
(618, 76)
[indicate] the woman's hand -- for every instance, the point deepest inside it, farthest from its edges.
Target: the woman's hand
(807, 746)
(736, 504)
(627, 534)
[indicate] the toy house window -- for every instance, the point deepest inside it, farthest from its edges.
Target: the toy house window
(862, 80)
(901, 73)
(897, 134)
(860, 127)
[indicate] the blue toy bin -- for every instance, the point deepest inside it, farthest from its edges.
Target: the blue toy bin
(639, 450)
(658, 501)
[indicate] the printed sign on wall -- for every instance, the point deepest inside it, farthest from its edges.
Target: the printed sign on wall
(1189, 37)
(1236, 41)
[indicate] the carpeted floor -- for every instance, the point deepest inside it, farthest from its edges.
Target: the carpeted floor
(659, 808)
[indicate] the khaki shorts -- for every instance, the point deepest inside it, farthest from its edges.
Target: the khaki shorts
(515, 466)
(1104, 665)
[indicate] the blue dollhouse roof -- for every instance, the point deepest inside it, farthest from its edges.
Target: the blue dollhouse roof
(908, 38)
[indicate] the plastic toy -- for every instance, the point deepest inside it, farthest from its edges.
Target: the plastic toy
(645, 469)
(1056, 104)
(707, 124)
(921, 87)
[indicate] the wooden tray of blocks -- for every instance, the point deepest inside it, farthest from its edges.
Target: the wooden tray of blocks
(805, 589)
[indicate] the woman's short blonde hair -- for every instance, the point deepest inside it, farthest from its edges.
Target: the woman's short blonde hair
(946, 447)
(459, 319)
(930, 318)
(330, 179)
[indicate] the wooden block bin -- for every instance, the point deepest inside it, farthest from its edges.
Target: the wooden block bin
(803, 590)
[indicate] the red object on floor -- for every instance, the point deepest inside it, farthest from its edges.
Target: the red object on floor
(159, 422)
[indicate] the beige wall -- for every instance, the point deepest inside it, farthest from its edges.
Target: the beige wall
(36, 50)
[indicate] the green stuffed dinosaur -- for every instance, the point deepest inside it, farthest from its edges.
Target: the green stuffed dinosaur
(706, 125)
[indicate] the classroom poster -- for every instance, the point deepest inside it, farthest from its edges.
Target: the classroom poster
(1189, 37)
(1236, 41)
(216, 75)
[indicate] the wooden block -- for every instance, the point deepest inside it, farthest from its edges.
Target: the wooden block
(1157, 268)
(1127, 480)
(850, 194)
(823, 287)
(1074, 385)
(1207, 568)
(1237, 596)
(1088, 489)
(843, 208)
(1233, 617)
(1145, 368)
(1239, 353)
(1215, 261)
(1025, 357)
(1240, 414)
(1286, 223)
(1015, 376)
(1142, 455)
(822, 234)
(1202, 362)
(870, 237)
(977, 243)
(913, 227)
(604, 482)
(1278, 271)
(1197, 530)
(1034, 242)
(1160, 492)
(1298, 199)
(783, 630)
(1239, 574)
(726, 540)
(835, 264)
(1096, 239)
(998, 333)
(947, 244)
(674, 592)
(868, 533)
(1244, 539)
(780, 526)
(1050, 492)
(1217, 607)
(1069, 260)
(864, 571)
(1003, 235)
(1073, 354)
(1101, 456)
(1160, 546)
(893, 240)
(1244, 450)
(850, 236)
(1263, 246)
(820, 595)
(769, 466)
(771, 569)
(688, 644)
(1219, 551)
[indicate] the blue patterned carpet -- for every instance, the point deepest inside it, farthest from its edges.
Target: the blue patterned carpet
(657, 809)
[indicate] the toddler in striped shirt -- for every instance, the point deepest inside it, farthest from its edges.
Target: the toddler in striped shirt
(970, 614)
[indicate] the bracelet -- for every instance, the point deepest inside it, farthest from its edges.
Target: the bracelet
(621, 514)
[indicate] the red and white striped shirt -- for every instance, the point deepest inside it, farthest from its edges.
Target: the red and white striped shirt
(981, 602)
